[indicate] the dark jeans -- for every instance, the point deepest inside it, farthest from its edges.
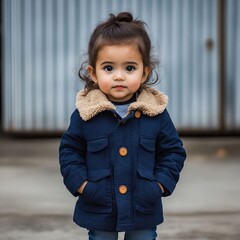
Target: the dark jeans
(146, 234)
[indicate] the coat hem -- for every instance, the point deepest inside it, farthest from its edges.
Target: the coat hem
(138, 226)
(119, 227)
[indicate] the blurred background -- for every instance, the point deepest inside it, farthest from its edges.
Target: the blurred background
(43, 43)
(196, 42)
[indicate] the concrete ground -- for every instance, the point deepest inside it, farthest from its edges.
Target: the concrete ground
(35, 205)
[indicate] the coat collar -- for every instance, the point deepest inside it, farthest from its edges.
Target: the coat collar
(150, 101)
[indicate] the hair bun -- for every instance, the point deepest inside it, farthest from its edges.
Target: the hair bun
(121, 17)
(124, 17)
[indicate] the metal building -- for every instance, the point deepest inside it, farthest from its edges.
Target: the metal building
(197, 43)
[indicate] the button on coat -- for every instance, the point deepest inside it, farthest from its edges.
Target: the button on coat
(123, 189)
(123, 151)
(137, 114)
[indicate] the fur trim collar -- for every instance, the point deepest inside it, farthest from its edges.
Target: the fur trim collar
(150, 101)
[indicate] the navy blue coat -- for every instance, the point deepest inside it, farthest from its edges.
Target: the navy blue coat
(123, 160)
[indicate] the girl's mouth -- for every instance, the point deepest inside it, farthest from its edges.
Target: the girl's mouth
(119, 87)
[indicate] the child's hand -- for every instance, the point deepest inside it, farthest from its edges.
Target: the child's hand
(80, 190)
(161, 186)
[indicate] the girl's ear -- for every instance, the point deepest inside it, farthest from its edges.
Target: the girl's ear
(146, 72)
(92, 73)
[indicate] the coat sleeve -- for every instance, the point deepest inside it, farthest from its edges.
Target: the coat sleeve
(170, 155)
(72, 152)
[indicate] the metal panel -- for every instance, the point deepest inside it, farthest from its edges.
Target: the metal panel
(190, 77)
(39, 59)
(232, 49)
(45, 39)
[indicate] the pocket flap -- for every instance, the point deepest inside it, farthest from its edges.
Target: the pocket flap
(96, 175)
(148, 144)
(146, 174)
(97, 144)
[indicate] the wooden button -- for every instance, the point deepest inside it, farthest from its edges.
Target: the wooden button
(137, 114)
(123, 151)
(122, 189)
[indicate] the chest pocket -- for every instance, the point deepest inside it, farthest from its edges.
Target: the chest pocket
(98, 154)
(146, 158)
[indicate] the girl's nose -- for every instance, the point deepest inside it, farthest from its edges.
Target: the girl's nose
(118, 76)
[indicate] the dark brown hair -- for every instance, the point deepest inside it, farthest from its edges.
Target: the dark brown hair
(120, 29)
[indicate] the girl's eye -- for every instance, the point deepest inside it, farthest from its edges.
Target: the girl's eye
(108, 68)
(130, 68)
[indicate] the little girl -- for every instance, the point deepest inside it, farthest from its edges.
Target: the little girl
(121, 153)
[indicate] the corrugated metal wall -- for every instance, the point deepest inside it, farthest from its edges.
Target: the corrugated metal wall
(232, 41)
(45, 39)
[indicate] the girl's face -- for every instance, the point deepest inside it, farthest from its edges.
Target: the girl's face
(119, 71)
